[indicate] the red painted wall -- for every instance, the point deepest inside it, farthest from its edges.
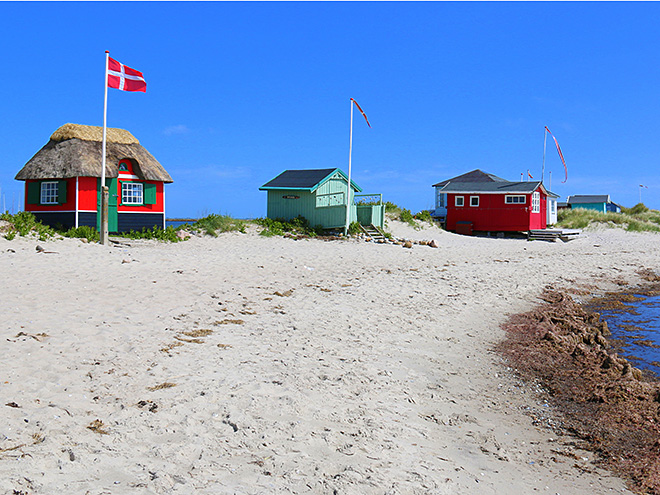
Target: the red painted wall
(70, 204)
(494, 215)
(87, 193)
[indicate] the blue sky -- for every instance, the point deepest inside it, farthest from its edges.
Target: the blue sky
(238, 92)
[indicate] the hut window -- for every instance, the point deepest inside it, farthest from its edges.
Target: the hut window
(123, 167)
(132, 193)
(458, 201)
(514, 200)
(536, 202)
(49, 193)
(474, 200)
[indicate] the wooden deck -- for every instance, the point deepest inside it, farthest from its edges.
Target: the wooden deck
(552, 235)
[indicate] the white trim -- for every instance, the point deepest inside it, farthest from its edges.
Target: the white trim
(471, 198)
(456, 201)
(515, 193)
(141, 212)
(52, 211)
(506, 196)
(76, 221)
(126, 175)
(164, 218)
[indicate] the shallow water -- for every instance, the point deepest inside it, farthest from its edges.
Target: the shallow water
(636, 330)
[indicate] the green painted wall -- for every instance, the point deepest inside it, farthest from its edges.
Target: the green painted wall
(325, 207)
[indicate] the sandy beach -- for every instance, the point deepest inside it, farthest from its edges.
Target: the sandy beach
(252, 365)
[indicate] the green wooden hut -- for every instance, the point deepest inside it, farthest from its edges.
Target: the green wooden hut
(319, 195)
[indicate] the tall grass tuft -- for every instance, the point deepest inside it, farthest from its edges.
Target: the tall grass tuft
(214, 224)
(639, 218)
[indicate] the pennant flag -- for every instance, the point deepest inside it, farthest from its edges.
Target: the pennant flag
(361, 111)
(124, 78)
(561, 155)
(529, 175)
(644, 186)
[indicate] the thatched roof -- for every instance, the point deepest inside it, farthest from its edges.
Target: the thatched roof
(75, 151)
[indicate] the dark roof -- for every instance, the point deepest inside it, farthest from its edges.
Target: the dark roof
(474, 176)
(589, 198)
(502, 187)
(75, 151)
(309, 179)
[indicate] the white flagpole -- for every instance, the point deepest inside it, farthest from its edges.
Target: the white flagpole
(348, 195)
(545, 137)
(104, 204)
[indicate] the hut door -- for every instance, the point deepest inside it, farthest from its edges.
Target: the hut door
(112, 204)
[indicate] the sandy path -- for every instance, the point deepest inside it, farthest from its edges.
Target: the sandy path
(330, 367)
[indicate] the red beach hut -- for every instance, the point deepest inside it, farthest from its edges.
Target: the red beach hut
(62, 181)
(484, 202)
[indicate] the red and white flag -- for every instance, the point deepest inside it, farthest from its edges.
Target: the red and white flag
(561, 155)
(361, 111)
(124, 78)
(529, 175)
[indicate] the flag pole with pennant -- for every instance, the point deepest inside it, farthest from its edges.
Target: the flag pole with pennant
(350, 152)
(124, 78)
(561, 155)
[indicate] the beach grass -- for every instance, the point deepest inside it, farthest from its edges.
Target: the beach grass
(298, 226)
(639, 218)
(24, 224)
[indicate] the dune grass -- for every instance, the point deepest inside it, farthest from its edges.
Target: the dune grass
(639, 218)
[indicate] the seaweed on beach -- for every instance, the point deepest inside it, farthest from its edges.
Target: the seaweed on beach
(611, 406)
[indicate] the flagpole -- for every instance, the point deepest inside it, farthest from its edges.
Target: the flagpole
(545, 137)
(103, 234)
(348, 192)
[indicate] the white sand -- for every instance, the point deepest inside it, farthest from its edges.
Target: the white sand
(372, 371)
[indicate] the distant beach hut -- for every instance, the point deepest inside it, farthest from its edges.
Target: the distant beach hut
(62, 181)
(598, 202)
(319, 195)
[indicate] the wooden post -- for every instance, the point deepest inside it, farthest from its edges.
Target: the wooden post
(105, 196)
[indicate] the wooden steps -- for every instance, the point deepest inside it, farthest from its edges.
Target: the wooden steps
(552, 235)
(374, 232)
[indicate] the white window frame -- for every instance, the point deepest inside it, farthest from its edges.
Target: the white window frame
(512, 199)
(536, 202)
(472, 198)
(49, 193)
(132, 193)
(459, 199)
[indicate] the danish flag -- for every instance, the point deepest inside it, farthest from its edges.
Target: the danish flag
(124, 78)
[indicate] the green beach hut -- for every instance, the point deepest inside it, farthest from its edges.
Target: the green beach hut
(319, 195)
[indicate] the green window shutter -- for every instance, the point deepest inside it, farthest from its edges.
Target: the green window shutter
(61, 192)
(33, 193)
(150, 194)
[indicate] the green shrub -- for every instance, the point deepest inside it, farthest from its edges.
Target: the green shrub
(213, 223)
(354, 228)
(407, 217)
(635, 210)
(83, 232)
(168, 234)
(424, 216)
(299, 225)
(24, 223)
